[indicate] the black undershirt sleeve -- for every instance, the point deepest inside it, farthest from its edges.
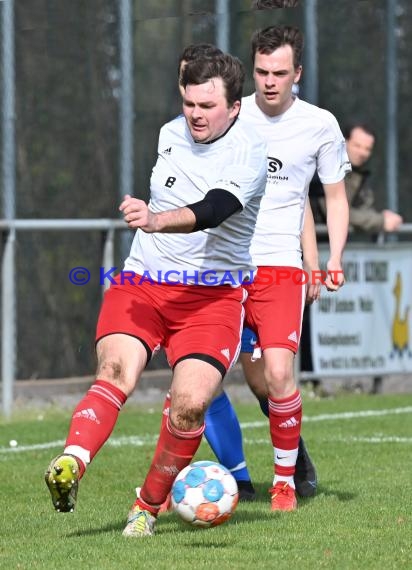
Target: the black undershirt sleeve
(214, 209)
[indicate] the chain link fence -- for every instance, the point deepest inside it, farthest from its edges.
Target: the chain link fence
(68, 80)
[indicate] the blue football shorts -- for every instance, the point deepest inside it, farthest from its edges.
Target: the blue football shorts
(249, 339)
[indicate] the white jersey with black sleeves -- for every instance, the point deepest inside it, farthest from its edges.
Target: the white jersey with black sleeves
(183, 174)
(303, 139)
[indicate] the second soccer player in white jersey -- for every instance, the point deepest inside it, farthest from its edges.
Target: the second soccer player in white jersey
(301, 138)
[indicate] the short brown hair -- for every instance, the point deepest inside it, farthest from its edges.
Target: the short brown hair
(269, 39)
(193, 51)
(228, 67)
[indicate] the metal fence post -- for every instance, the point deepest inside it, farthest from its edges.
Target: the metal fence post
(223, 25)
(8, 323)
(310, 53)
(108, 255)
(126, 157)
(8, 293)
(391, 108)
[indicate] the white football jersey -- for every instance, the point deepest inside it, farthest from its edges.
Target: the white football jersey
(304, 138)
(183, 174)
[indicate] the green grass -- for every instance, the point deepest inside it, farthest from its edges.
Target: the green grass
(360, 518)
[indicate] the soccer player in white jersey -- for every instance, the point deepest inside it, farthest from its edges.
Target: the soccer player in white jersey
(301, 138)
(180, 288)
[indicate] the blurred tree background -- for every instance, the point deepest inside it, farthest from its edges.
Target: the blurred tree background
(67, 81)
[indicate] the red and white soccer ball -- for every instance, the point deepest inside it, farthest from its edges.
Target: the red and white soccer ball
(205, 494)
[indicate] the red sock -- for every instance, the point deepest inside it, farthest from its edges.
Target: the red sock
(174, 451)
(285, 419)
(93, 421)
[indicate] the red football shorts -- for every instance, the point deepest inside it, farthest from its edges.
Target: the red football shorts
(197, 321)
(274, 306)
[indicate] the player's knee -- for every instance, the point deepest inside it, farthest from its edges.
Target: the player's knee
(187, 416)
(112, 370)
(109, 369)
(277, 376)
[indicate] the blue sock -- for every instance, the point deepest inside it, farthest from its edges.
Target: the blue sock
(224, 436)
(264, 406)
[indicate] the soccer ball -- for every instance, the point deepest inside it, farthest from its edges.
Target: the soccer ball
(205, 494)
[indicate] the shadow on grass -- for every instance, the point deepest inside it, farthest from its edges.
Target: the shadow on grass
(325, 490)
(245, 513)
(165, 522)
(112, 527)
(329, 491)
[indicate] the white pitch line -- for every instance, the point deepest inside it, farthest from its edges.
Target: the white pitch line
(339, 416)
(33, 447)
(134, 440)
(346, 440)
(149, 439)
(375, 439)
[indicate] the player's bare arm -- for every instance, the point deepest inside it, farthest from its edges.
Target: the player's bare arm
(137, 214)
(210, 212)
(310, 256)
(338, 223)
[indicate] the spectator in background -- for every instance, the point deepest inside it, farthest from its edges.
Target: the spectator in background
(360, 140)
(363, 216)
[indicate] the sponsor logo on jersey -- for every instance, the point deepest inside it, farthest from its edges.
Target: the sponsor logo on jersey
(274, 164)
(274, 167)
(226, 182)
(167, 150)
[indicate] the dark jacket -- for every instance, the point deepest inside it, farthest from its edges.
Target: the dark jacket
(362, 214)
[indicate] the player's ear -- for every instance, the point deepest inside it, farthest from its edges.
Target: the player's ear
(234, 112)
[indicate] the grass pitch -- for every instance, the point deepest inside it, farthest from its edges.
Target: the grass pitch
(360, 518)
